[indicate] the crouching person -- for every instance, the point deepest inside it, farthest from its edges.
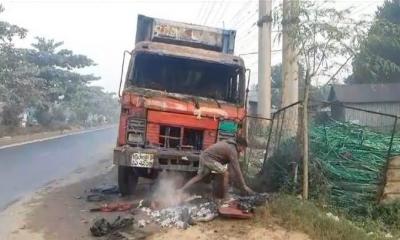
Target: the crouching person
(215, 160)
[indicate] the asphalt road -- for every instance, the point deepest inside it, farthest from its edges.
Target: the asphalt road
(23, 169)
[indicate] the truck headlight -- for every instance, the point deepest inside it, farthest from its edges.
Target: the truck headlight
(135, 138)
(136, 130)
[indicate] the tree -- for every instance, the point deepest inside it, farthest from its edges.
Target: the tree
(92, 100)
(322, 33)
(18, 84)
(276, 75)
(56, 68)
(378, 60)
(44, 79)
(60, 82)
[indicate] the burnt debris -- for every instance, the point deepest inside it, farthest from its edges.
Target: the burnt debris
(102, 227)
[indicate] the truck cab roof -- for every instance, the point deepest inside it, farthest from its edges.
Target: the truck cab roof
(166, 49)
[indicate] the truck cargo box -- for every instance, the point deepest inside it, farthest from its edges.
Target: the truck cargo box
(177, 33)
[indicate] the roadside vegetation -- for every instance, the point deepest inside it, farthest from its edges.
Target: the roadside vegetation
(42, 87)
(322, 222)
(338, 186)
(347, 163)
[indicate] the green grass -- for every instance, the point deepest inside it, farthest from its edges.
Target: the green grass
(306, 216)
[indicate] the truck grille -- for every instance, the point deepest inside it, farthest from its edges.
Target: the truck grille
(181, 138)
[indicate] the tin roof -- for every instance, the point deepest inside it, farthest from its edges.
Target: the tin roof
(365, 93)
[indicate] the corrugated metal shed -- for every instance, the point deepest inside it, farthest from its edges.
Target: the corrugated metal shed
(380, 98)
(365, 93)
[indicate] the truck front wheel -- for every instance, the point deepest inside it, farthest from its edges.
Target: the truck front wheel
(127, 180)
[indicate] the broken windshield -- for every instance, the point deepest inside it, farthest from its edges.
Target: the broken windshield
(192, 77)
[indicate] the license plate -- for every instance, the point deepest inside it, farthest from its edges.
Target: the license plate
(142, 160)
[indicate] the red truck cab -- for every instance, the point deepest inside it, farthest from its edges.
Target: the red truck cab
(183, 91)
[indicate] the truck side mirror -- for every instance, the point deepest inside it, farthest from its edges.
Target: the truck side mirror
(122, 72)
(248, 70)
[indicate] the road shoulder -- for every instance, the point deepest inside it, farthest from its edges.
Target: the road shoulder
(60, 211)
(7, 142)
(20, 220)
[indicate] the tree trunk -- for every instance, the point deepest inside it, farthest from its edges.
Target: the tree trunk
(305, 137)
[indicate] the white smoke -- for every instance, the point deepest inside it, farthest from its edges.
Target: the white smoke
(165, 193)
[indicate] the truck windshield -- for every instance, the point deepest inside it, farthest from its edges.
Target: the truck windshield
(179, 75)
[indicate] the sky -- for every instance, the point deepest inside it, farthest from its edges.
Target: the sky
(102, 30)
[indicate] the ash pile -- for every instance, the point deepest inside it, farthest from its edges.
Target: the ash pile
(203, 209)
(195, 209)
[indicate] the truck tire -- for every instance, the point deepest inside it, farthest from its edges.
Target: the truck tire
(127, 180)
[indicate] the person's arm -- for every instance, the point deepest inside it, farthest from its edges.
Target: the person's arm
(234, 161)
(236, 168)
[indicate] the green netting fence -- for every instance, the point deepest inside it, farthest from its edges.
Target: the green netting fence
(348, 158)
(350, 161)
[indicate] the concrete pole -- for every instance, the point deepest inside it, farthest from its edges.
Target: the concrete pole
(290, 71)
(264, 58)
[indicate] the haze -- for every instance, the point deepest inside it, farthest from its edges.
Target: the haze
(102, 30)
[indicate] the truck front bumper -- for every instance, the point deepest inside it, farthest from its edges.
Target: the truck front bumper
(163, 159)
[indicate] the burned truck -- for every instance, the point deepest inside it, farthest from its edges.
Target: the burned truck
(184, 90)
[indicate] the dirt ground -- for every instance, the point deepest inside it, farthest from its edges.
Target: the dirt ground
(60, 211)
(231, 230)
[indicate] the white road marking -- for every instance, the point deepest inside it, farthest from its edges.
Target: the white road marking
(54, 137)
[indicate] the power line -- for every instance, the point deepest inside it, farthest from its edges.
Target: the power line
(253, 53)
(244, 14)
(240, 10)
(200, 12)
(207, 13)
(218, 13)
(223, 13)
(240, 23)
(214, 13)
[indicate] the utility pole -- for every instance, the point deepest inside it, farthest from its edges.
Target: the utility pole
(290, 71)
(264, 58)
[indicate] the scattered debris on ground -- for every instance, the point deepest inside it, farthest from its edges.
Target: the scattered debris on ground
(114, 207)
(102, 227)
(106, 189)
(193, 209)
(203, 209)
(61, 212)
(102, 193)
(184, 215)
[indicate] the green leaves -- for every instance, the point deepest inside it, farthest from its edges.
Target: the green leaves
(378, 59)
(9, 31)
(46, 52)
(323, 36)
(44, 80)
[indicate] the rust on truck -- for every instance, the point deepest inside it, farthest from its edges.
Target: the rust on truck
(184, 34)
(184, 91)
(188, 52)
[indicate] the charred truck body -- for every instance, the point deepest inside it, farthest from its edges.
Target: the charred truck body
(184, 90)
